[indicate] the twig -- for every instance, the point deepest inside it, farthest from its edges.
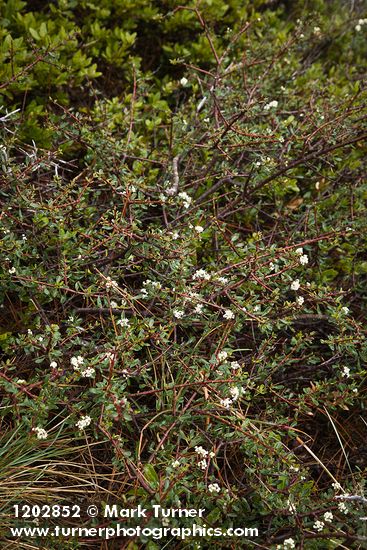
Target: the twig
(353, 497)
(176, 180)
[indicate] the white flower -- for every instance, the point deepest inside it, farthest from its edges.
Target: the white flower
(153, 284)
(201, 274)
(110, 283)
(291, 507)
(183, 81)
(175, 235)
(316, 30)
(358, 27)
(12, 270)
(41, 433)
(178, 313)
(199, 228)
(317, 185)
(235, 365)
(328, 517)
(223, 280)
(198, 309)
(185, 199)
(345, 310)
(346, 372)
(235, 393)
(228, 314)
(318, 525)
(336, 486)
(201, 451)
(123, 322)
(202, 464)
(77, 361)
(303, 259)
(226, 403)
(222, 356)
(342, 508)
(268, 106)
(88, 372)
(212, 454)
(114, 305)
(83, 422)
(53, 364)
(295, 284)
(175, 464)
(300, 300)
(289, 543)
(299, 251)
(213, 488)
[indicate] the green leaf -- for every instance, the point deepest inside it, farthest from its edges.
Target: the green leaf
(150, 474)
(34, 33)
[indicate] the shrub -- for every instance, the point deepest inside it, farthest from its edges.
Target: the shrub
(184, 266)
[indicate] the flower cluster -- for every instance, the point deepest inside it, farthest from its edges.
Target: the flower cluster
(203, 454)
(222, 356)
(272, 104)
(40, 432)
(84, 422)
(342, 507)
(346, 372)
(89, 372)
(213, 488)
(360, 24)
(110, 283)
(123, 322)
(328, 517)
(228, 315)
(287, 544)
(295, 285)
(185, 199)
(228, 401)
(178, 313)
(77, 361)
(201, 274)
(318, 525)
(154, 284)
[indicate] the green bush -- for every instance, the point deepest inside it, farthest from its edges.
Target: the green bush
(183, 275)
